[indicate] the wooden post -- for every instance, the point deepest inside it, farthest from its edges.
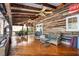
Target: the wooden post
(7, 6)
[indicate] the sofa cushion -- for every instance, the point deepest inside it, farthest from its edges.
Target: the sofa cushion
(51, 36)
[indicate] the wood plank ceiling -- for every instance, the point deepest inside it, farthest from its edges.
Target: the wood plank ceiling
(23, 12)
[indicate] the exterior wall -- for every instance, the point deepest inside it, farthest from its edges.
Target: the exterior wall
(51, 27)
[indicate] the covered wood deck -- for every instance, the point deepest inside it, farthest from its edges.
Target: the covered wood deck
(52, 16)
(36, 48)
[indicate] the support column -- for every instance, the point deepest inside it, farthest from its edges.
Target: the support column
(7, 6)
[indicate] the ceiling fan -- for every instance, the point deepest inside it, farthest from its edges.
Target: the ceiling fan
(43, 12)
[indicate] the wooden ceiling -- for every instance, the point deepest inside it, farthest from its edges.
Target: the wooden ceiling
(22, 12)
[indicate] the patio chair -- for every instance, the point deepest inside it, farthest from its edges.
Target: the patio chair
(51, 38)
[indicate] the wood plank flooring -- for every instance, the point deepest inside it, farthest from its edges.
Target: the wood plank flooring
(36, 48)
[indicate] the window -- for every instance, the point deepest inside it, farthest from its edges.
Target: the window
(72, 23)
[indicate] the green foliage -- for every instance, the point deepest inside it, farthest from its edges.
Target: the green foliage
(24, 32)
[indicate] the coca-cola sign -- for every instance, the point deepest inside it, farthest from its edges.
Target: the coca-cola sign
(73, 8)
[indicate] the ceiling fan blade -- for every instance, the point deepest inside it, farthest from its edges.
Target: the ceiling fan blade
(50, 12)
(42, 11)
(42, 14)
(44, 8)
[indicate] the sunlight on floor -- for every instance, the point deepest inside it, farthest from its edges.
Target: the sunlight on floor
(23, 43)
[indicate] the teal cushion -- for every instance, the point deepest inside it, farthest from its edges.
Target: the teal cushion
(51, 36)
(46, 35)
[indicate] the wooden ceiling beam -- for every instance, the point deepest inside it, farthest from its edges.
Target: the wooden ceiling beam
(22, 22)
(47, 5)
(20, 13)
(16, 20)
(24, 6)
(24, 9)
(60, 6)
(18, 24)
(27, 7)
(24, 16)
(28, 15)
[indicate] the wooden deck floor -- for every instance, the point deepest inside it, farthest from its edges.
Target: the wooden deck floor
(39, 49)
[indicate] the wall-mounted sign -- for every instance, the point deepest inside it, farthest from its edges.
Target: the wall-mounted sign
(73, 8)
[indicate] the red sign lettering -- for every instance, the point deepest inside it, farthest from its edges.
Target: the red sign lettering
(73, 8)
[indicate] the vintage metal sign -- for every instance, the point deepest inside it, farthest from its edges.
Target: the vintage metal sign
(73, 8)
